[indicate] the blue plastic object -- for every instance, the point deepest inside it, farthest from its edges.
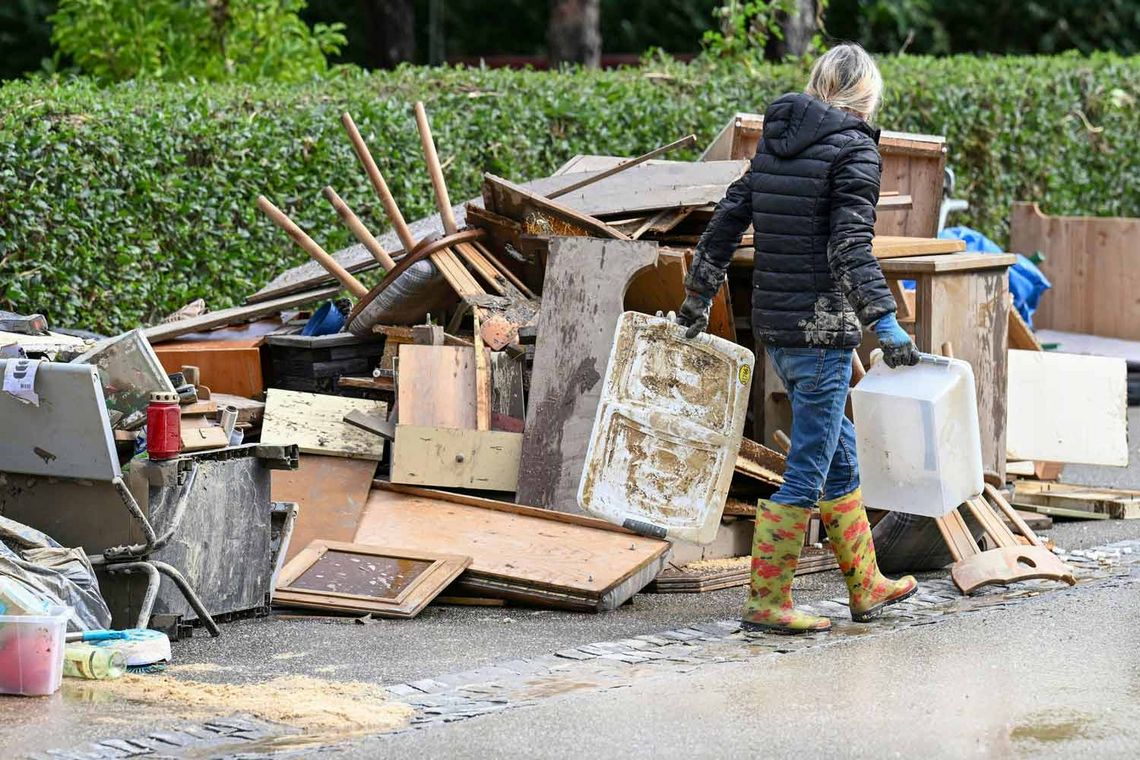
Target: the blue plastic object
(325, 321)
(1026, 281)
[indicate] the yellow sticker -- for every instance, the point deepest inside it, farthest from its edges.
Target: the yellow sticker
(745, 374)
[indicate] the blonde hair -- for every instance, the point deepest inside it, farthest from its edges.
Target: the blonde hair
(846, 77)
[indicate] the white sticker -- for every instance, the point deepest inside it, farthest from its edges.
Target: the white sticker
(20, 380)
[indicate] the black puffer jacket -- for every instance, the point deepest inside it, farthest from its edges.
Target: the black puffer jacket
(810, 195)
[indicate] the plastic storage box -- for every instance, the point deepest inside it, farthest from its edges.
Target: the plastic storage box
(667, 431)
(31, 652)
(917, 436)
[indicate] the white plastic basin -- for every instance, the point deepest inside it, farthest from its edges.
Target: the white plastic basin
(917, 436)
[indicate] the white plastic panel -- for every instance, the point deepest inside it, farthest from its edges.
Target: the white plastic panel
(667, 431)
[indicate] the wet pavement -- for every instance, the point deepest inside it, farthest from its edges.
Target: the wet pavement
(1025, 678)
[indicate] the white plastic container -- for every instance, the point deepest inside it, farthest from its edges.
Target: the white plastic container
(667, 431)
(916, 429)
(31, 652)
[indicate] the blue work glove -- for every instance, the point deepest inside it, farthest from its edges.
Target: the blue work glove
(694, 314)
(898, 348)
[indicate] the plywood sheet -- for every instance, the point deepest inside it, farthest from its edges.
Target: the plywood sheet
(315, 422)
(435, 386)
(1067, 408)
(583, 295)
(487, 460)
(561, 562)
(330, 493)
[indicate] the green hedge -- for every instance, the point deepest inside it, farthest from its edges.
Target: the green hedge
(118, 205)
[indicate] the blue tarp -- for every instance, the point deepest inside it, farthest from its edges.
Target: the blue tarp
(1026, 281)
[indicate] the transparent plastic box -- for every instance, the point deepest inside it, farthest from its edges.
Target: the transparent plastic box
(917, 436)
(31, 652)
(667, 431)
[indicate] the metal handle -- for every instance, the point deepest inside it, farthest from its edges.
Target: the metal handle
(938, 361)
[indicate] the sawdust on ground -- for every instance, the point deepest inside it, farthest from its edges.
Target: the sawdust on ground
(311, 704)
(196, 667)
(717, 565)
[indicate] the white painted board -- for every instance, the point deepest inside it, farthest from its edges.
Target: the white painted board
(1067, 408)
(315, 422)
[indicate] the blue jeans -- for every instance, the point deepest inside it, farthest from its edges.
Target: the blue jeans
(822, 458)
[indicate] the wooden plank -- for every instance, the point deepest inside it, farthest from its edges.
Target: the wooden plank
(652, 187)
(371, 422)
(250, 411)
(486, 460)
(382, 580)
(1117, 504)
(955, 262)
(436, 386)
(897, 246)
(236, 315)
(1021, 336)
(538, 215)
(1007, 565)
(584, 276)
(315, 422)
(1068, 408)
(330, 493)
(1062, 512)
(482, 382)
(203, 438)
(528, 557)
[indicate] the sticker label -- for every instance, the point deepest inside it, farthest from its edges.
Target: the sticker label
(745, 374)
(20, 380)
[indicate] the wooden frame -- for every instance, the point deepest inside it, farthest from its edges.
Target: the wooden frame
(442, 569)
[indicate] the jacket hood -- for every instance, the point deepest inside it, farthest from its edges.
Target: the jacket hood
(796, 121)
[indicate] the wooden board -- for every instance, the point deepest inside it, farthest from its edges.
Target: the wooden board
(1067, 408)
(330, 493)
(519, 553)
(237, 314)
(583, 296)
(538, 215)
(435, 386)
(371, 422)
(486, 460)
(912, 165)
(1115, 503)
(232, 367)
(315, 422)
(507, 388)
(1021, 336)
(382, 580)
(650, 187)
(250, 412)
(895, 246)
(938, 263)
(1093, 264)
(1008, 564)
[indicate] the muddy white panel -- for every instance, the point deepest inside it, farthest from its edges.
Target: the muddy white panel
(667, 430)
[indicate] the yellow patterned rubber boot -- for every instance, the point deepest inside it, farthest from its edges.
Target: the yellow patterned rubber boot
(849, 532)
(776, 546)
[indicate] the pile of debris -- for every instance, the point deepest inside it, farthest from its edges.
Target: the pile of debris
(425, 439)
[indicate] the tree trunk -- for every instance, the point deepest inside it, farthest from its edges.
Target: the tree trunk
(574, 34)
(799, 26)
(390, 28)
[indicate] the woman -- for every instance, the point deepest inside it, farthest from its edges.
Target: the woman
(810, 195)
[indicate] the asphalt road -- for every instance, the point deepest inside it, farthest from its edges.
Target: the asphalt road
(1058, 676)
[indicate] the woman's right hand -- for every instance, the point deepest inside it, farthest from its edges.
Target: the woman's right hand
(694, 314)
(898, 348)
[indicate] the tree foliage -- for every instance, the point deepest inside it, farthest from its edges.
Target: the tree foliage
(214, 40)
